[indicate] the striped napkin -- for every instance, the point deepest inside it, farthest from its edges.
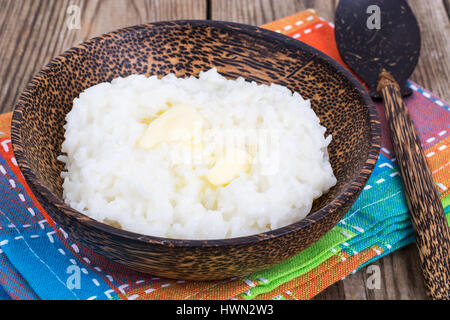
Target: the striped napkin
(39, 260)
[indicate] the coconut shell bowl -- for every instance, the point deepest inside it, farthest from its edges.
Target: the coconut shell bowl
(186, 48)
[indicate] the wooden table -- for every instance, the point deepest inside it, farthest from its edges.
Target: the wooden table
(34, 31)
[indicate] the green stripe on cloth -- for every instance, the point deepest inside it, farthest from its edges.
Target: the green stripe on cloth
(446, 204)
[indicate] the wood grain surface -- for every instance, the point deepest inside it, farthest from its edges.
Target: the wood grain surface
(34, 31)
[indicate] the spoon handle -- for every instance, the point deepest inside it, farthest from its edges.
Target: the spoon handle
(427, 213)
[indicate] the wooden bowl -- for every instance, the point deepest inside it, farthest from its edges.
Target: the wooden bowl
(186, 48)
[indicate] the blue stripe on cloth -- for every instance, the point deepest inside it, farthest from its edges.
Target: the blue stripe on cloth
(387, 232)
(383, 164)
(3, 294)
(381, 199)
(13, 283)
(35, 250)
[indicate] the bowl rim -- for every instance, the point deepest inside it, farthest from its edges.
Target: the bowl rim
(351, 189)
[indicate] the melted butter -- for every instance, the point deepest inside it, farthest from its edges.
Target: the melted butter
(177, 124)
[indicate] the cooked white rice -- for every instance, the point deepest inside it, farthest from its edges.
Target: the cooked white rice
(163, 191)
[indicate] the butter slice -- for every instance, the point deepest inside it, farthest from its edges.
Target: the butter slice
(179, 123)
(229, 167)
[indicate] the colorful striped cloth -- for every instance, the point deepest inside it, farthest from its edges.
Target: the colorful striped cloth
(39, 260)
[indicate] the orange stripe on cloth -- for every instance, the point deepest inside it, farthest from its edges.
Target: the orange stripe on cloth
(190, 290)
(438, 158)
(293, 23)
(5, 125)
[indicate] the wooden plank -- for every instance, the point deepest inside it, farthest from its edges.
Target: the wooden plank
(36, 31)
(447, 7)
(433, 69)
(102, 16)
(258, 12)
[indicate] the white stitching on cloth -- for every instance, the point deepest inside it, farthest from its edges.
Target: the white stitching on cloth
(371, 204)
